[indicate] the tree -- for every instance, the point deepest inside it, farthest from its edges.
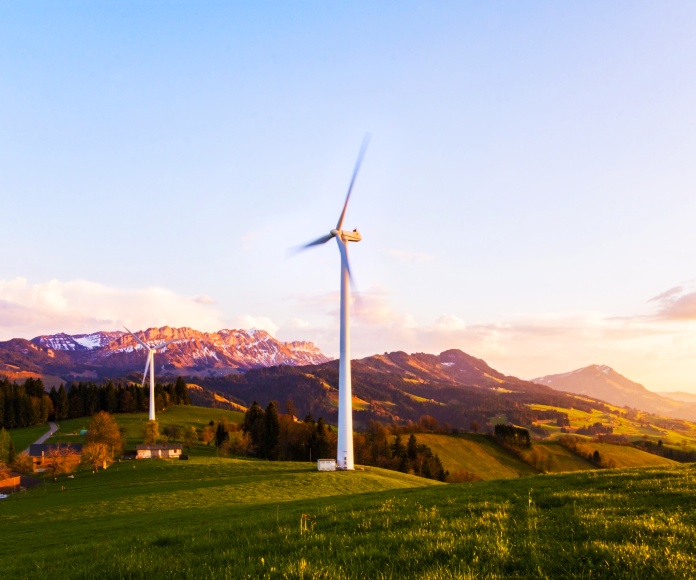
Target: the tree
(221, 435)
(240, 444)
(271, 433)
(254, 424)
(190, 437)
(181, 390)
(208, 434)
(104, 429)
(12, 454)
(61, 404)
(96, 454)
(59, 460)
(23, 463)
(5, 441)
(151, 432)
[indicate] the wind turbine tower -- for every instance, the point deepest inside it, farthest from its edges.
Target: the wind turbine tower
(344, 457)
(151, 365)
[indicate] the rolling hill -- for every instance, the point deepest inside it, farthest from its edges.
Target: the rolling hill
(226, 518)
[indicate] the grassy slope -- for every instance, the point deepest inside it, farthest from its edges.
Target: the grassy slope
(560, 460)
(236, 519)
(626, 456)
(25, 436)
(644, 425)
(475, 454)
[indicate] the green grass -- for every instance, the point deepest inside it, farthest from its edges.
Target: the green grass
(25, 436)
(244, 519)
(475, 454)
(561, 460)
(624, 456)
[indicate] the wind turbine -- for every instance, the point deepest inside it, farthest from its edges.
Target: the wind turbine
(151, 364)
(344, 458)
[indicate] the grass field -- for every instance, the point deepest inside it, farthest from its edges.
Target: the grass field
(25, 436)
(475, 454)
(560, 460)
(623, 456)
(228, 518)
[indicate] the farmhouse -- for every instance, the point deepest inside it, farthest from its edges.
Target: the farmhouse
(158, 451)
(40, 453)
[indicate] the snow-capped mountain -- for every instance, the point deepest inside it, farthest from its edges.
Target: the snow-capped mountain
(111, 354)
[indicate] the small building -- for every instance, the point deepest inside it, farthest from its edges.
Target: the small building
(158, 451)
(40, 452)
(9, 481)
(326, 464)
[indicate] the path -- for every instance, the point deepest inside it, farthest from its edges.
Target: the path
(52, 429)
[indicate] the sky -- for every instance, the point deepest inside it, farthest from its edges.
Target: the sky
(527, 194)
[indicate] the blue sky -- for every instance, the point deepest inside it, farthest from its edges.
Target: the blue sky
(527, 195)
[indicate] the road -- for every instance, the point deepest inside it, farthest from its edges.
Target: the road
(52, 429)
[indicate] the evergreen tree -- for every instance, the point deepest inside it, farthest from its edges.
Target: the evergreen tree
(12, 453)
(254, 425)
(271, 432)
(181, 390)
(221, 435)
(62, 407)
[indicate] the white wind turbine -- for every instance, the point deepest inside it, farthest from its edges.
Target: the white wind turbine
(151, 364)
(344, 458)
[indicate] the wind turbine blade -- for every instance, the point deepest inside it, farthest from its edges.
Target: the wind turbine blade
(317, 242)
(365, 142)
(163, 344)
(136, 338)
(147, 366)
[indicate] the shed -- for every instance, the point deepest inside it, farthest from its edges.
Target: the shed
(326, 464)
(9, 481)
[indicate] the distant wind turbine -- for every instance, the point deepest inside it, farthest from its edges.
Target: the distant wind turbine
(151, 364)
(344, 459)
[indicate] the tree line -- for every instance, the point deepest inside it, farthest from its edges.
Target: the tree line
(27, 404)
(268, 434)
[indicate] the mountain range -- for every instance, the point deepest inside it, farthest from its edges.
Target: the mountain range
(236, 367)
(117, 354)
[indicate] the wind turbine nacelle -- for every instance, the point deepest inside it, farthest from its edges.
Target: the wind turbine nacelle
(347, 236)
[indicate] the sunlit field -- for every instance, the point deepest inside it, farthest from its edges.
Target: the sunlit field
(227, 518)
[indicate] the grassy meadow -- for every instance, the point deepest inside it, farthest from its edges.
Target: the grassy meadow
(228, 518)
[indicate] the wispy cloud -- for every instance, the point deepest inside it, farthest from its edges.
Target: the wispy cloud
(678, 303)
(655, 347)
(247, 321)
(76, 306)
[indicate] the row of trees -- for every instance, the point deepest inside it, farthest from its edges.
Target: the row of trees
(29, 404)
(267, 434)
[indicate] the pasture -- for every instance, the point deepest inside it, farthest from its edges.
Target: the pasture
(227, 518)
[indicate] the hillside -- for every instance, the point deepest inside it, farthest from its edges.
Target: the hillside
(453, 387)
(227, 518)
(604, 383)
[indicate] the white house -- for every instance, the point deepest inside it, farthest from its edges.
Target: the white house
(158, 451)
